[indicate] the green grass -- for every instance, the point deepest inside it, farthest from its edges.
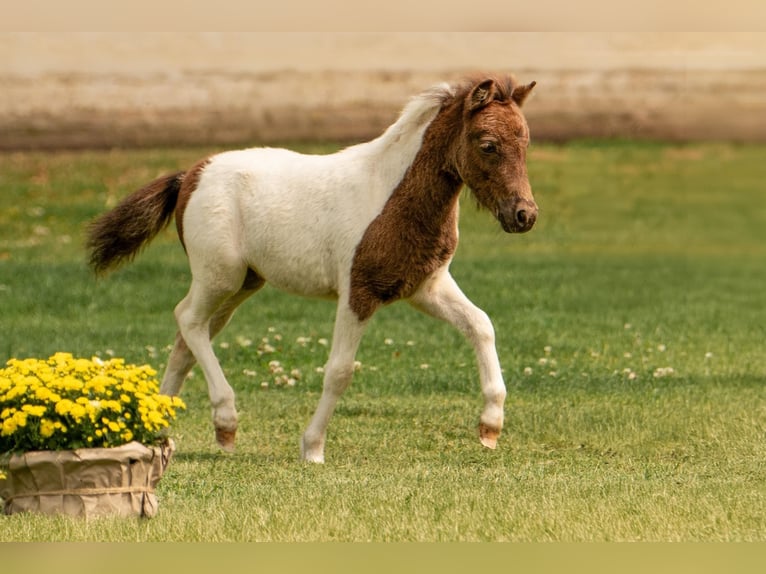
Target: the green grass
(631, 326)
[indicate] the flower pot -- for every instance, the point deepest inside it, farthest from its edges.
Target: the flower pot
(86, 482)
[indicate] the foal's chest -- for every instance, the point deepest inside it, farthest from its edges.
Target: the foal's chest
(397, 252)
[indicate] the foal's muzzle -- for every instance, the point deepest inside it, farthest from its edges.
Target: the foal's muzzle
(519, 218)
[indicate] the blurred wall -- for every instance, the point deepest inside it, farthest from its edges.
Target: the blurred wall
(106, 89)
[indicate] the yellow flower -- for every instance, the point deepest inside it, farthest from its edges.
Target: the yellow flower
(64, 406)
(45, 394)
(78, 412)
(21, 419)
(47, 428)
(34, 410)
(114, 406)
(9, 426)
(16, 391)
(82, 365)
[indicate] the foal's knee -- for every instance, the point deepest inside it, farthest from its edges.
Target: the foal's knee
(482, 331)
(337, 376)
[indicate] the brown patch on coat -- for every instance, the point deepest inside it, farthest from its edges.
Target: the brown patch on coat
(188, 185)
(118, 235)
(416, 232)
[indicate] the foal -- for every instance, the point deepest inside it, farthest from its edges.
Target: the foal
(368, 225)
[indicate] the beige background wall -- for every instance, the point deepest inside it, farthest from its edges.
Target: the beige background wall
(108, 89)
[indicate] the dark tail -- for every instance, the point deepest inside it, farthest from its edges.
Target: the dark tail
(118, 235)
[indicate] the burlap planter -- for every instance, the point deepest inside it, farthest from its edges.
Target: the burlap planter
(86, 482)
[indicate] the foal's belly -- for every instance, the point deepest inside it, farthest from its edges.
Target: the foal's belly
(296, 263)
(309, 280)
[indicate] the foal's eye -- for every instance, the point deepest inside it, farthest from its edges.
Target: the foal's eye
(488, 147)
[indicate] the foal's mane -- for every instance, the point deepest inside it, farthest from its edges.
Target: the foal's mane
(418, 112)
(422, 108)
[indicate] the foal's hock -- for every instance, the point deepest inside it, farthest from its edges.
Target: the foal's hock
(368, 225)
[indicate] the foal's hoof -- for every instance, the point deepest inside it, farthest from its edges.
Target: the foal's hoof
(314, 455)
(225, 438)
(488, 436)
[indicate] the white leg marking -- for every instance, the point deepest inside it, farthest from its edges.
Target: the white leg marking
(339, 370)
(439, 296)
(194, 315)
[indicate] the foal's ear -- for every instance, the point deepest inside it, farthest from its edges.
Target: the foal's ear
(520, 93)
(482, 94)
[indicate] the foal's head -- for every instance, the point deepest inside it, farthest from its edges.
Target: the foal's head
(491, 152)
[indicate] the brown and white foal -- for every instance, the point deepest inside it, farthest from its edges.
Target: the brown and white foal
(368, 225)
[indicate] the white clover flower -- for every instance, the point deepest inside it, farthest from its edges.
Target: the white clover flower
(276, 368)
(660, 372)
(265, 349)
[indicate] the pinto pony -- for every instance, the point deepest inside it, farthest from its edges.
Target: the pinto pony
(368, 225)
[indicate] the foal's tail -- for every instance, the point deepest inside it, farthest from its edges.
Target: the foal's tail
(118, 235)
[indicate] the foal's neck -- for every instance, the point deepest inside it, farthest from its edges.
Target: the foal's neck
(431, 186)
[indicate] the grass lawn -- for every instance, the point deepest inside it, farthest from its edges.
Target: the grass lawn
(631, 325)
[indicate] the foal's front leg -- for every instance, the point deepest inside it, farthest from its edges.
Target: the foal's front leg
(439, 296)
(338, 372)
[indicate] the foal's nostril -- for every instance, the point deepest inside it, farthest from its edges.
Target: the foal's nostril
(521, 217)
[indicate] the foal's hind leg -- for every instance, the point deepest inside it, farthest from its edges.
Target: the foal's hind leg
(441, 297)
(338, 372)
(181, 358)
(194, 315)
